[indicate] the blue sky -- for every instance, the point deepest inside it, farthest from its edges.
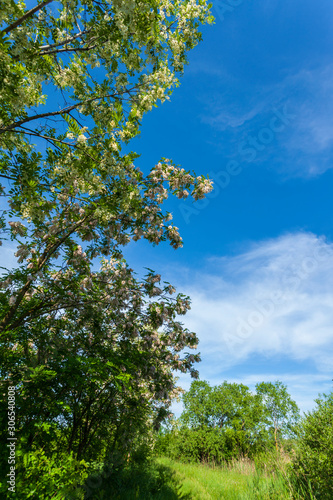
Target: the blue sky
(254, 111)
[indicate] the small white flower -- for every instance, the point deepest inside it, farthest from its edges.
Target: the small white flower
(81, 138)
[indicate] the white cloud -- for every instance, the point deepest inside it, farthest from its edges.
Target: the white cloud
(310, 142)
(274, 301)
(275, 298)
(222, 117)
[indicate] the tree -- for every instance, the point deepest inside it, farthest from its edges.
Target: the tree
(229, 420)
(197, 403)
(313, 464)
(222, 421)
(108, 63)
(76, 78)
(282, 413)
(236, 407)
(227, 405)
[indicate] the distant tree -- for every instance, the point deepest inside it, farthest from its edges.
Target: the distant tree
(227, 405)
(198, 405)
(235, 406)
(222, 421)
(281, 412)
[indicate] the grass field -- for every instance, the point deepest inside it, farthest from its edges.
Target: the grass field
(238, 481)
(169, 480)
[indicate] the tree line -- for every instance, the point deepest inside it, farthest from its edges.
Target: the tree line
(227, 422)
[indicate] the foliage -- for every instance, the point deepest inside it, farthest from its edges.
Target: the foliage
(282, 412)
(48, 477)
(225, 422)
(312, 466)
(237, 481)
(90, 348)
(230, 413)
(228, 405)
(150, 480)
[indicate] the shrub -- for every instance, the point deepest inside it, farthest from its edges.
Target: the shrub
(148, 480)
(41, 477)
(206, 444)
(312, 467)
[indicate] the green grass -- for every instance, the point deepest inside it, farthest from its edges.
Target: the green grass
(204, 483)
(165, 479)
(238, 481)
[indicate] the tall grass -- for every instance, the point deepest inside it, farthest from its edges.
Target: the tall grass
(149, 481)
(266, 478)
(240, 479)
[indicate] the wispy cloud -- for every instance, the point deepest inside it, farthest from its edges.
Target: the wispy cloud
(275, 298)
(304, 149)
(273, 301)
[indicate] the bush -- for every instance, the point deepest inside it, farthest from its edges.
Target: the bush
(148, 480)
(206, 444)
(312, 467)
(193, 445)
(41, 477)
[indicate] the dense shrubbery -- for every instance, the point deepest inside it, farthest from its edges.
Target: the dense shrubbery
(44, 476)
(207, 445)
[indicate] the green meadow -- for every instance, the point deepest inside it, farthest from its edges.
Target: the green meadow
(240, 480)
(166, 479)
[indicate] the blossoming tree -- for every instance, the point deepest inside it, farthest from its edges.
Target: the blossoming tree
(91, 352)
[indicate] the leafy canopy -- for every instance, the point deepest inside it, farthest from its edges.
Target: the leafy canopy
(282, 413)
(90, 347)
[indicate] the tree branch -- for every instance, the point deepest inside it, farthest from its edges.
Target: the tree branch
(53, 140)
(75, 49)
(41, 115)
(63, 111)
(47, 254)
(28, 14)
(7, 177)
(65, 42)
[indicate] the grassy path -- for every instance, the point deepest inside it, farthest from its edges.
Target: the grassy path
(199, 482)
(165, 479)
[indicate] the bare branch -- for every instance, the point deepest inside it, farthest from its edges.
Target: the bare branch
(7, 177)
